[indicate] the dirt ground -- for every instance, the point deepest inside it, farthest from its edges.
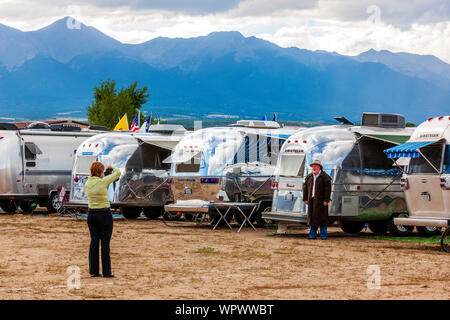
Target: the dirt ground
(187, 261)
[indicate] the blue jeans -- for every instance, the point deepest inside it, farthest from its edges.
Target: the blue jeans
(313, 232)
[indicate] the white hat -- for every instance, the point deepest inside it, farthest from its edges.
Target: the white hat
(316, 161)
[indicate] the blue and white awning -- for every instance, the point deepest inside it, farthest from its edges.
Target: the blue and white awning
(407, 150)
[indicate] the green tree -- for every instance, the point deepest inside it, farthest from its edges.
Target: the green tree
(110, 104)
(410, 124)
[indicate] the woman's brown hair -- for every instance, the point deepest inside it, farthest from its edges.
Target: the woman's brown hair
(97, 169)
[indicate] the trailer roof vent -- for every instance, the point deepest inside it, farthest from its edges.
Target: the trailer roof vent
(166, 128)
(257, 124)
(65, 127)
(98, 128)
(39, 125)
(8, 126)
(383, 120)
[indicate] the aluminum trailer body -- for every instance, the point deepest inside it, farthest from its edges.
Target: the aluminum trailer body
(144, 182)
(426, 179)
(225, 164)
(34, 164)
(365, 184)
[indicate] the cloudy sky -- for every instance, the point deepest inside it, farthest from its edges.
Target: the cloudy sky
(345, 26)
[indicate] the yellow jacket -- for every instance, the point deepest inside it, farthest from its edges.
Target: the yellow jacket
(97, 189)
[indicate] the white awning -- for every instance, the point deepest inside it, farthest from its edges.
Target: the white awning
(181, 156)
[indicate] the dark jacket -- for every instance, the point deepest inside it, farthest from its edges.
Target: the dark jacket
(322, 194)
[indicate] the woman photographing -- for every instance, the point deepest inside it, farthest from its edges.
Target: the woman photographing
(100, 219)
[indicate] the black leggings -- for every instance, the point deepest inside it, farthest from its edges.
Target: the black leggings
(100, 224)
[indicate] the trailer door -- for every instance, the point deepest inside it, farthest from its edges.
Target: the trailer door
(31, 179)
(80, 175)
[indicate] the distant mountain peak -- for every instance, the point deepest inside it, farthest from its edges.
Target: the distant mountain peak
(228, 34)
(64, 24)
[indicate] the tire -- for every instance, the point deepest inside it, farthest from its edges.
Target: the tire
(188, 216)
(53, 203)
(153, 213)
(398, 231)
(378, 227)
(257, 216)
(445, 238)
(428, 231)
(130, 212)
(352, 227)
(27, 207)
(9, 206)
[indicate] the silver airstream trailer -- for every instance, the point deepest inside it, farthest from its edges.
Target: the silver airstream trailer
(225, 164)
(35, 162)
(144, 183)
(365, 184)
(426, 178)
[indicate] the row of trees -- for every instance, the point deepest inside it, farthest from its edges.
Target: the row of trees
(111, 103)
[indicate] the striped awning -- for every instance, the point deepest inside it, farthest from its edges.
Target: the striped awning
(407, 150)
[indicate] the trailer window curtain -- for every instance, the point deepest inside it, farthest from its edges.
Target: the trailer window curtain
(258, 148)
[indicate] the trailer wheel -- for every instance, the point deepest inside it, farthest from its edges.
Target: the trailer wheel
(379, 227)
(9, 206)
(257, 216)
(428, 231)
(445, 240)
(53, 203)
(27, 207)
(130, 212)
(352, 226)
(399, 231)
(197, 217)
(153, 213)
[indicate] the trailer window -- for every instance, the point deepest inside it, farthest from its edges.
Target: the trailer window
(433, 154)
(446, 167)
(83, 164)
(352, 162)
(31, 150)
(148, 156)
(375, 161)
(291, 165)
(191, 165)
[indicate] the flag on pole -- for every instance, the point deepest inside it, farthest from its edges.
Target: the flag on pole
(122, 125)
(274, 117)
(135, 124)
(146, 125)
(264, 118)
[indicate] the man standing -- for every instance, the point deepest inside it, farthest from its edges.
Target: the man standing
(316, 194)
